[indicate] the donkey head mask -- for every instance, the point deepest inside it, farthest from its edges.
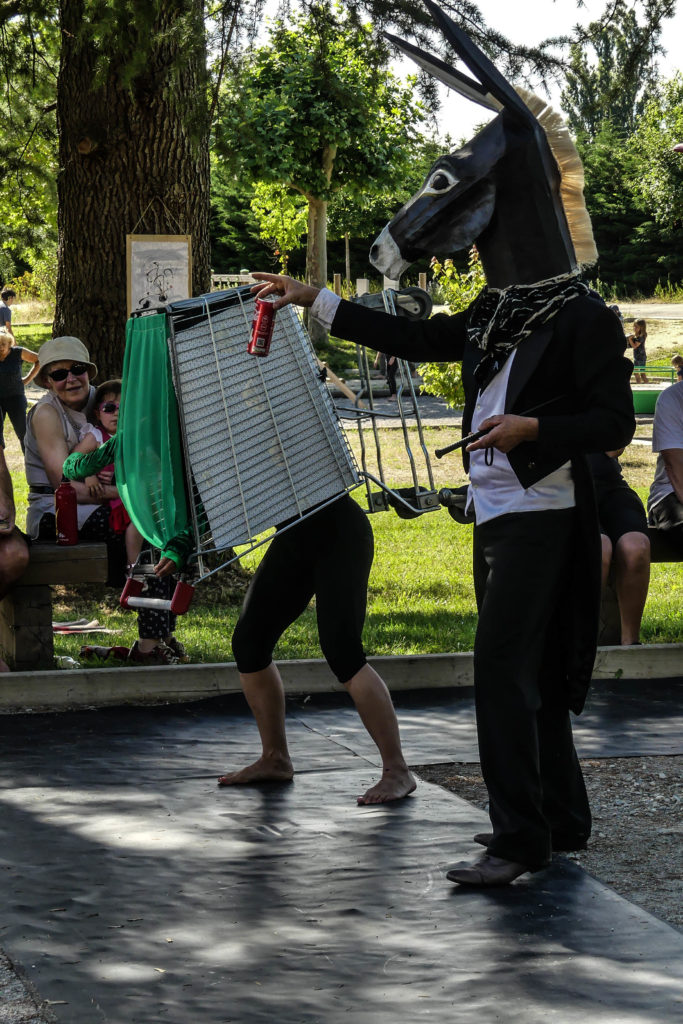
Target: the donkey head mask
(516, 189)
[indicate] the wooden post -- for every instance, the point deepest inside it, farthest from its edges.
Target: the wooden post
(362, 286)
(337, 284)
(26, 628)
(422, 281)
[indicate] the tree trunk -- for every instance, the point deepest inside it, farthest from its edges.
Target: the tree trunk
(316, 248)
(347, 255)
(134, 159)
(316, 258)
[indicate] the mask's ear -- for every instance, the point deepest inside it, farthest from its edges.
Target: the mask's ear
(479, 64)
(445, 73)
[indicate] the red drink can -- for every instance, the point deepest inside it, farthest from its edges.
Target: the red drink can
(261, 328)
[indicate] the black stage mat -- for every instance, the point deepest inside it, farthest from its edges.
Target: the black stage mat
(174, 901)
(135, 891)
(621, 719)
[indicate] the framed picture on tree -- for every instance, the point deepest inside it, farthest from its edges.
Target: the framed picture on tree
(158, 270)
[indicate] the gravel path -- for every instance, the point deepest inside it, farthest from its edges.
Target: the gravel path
(636, 843)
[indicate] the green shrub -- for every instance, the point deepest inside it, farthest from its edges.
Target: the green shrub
(457, 289)
(669, 292)
(24, 286)
(45, 276)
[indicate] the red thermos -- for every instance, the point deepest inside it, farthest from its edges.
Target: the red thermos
(261, 328)
(66, 512)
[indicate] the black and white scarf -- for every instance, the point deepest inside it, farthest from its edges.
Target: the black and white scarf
(500, 318)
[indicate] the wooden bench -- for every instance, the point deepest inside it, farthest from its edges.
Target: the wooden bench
(26, 636)
(661, 550)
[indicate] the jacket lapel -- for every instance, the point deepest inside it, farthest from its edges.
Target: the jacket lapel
(527, 357)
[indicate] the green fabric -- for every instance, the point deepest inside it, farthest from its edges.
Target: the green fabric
(149, 463)
(79, 465)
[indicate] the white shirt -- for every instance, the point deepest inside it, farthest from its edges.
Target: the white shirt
(494, 489)
(325, 307)
(667, 432)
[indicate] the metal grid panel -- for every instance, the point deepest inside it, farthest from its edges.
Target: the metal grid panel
(262, 437)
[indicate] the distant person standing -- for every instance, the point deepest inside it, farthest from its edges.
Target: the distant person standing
(637, 343)
(677, 363)
(7, 297)
(12, 395)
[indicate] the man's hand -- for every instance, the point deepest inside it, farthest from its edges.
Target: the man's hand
(95, 488)
(505, 432)
(286, 288)
(165, 567)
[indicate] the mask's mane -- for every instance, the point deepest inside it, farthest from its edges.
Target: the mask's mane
(571, 173)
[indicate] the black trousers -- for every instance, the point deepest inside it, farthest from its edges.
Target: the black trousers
(328, 555)
(14, 406)
(536, 789)
(668, 516)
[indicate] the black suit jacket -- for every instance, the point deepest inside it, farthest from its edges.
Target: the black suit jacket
(575, 368)
(578, 361)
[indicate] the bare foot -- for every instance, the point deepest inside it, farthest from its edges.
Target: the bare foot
(394, 785)
(263, 770)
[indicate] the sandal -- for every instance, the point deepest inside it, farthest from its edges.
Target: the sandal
(89, 653)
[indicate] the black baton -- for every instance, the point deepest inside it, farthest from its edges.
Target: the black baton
(440, 452)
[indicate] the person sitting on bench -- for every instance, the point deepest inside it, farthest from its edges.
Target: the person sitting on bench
(665, 501)
(52, 433)
(625, 543)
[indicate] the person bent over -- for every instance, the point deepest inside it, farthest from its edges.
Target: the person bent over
(329, 556)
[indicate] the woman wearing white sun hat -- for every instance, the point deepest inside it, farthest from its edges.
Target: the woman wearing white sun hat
(53, 428)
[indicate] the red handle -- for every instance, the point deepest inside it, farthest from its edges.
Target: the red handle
(178, 605)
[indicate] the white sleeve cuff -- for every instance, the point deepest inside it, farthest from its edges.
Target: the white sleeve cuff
(325, 307)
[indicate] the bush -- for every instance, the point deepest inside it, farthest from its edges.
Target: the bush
(45, 276)
(669, 292)
(457, 289)
(24, 286)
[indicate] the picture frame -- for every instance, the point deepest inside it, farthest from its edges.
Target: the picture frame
(158, 270)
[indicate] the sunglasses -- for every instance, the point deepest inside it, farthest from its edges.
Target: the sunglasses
(77, 370)
(109, 407)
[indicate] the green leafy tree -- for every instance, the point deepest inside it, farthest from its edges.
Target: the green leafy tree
(317, 110)
(658, 177)
(28, 145)
(282, 215)
(613, 67)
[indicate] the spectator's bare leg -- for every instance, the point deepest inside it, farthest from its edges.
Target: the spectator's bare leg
(632, 579)
(13, 560)
(376, 710)
(266, 697)
(606, 558)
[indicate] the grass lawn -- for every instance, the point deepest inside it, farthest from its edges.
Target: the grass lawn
(420, 599)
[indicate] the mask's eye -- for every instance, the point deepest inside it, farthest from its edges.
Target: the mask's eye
(440, 181)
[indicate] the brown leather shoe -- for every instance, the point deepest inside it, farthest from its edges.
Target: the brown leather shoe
(487, 870)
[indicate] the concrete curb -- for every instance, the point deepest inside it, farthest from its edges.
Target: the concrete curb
(103, 687)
